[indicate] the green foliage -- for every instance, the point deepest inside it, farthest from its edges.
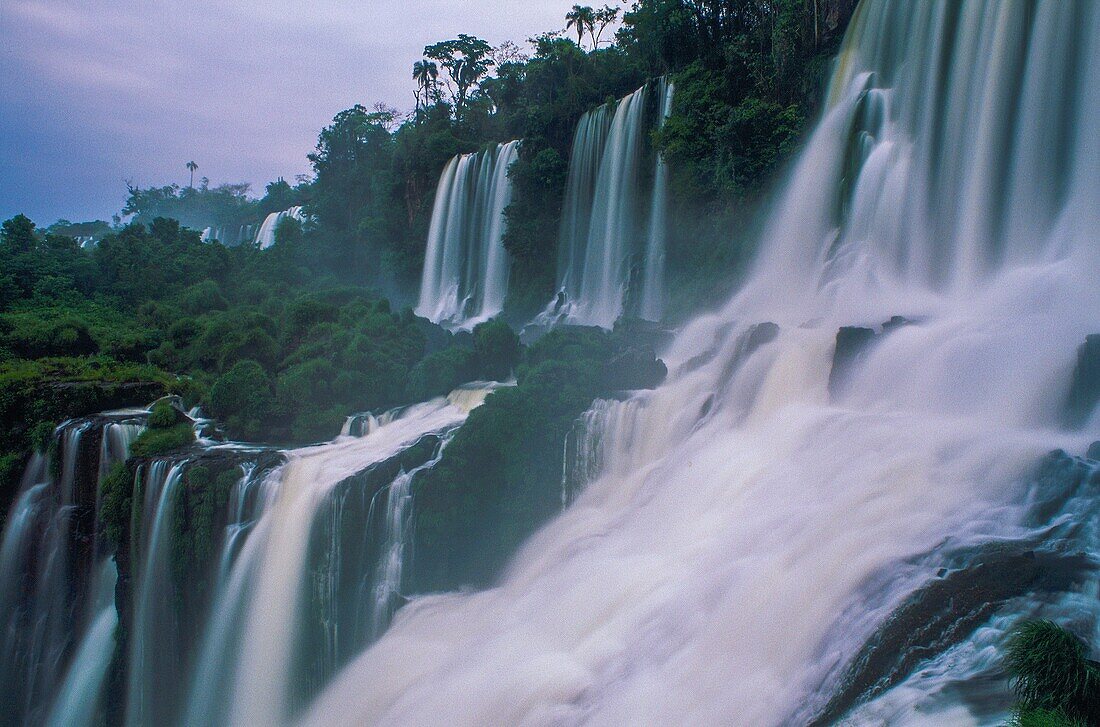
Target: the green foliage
(199, 517)
(1052, 674)
(116, 502)
(499, 478)
(164, 416)
(1043, 718)
(242, 396)
(498, 349)
(155, 442)
(441, 372)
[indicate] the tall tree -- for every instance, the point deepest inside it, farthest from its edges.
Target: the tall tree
(581, 18)
(426, 75)
(191, 167)
(603, 17)
(467, 60)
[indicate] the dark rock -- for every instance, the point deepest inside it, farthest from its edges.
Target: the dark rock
(1094, 451)
(635, 368)
(1084, 391)
(851, 343)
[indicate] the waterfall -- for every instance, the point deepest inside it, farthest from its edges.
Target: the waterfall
(256, 662)
(154, 651)
(229, 235)
(653, 283)
(265, 236)
(751, 533)
(56, 582)
(466, 267)
(608, 221)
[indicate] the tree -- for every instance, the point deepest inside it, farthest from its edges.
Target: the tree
(191, 167)
(426, 75)
(603, 17)
(17, 234)
(466, 60)
(582, 19)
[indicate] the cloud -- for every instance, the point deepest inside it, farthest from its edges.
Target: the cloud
(97, 93)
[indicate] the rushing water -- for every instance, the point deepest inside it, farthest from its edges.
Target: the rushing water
(613, 230)
(466, 267)
(265, 236)
(230, 235)
(752, 533)
(56, 582)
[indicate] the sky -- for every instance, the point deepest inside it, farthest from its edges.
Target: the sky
(96, 93)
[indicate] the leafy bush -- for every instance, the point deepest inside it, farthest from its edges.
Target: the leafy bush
(440, 372)
(498, 349)
(1052, 674)
(242, 396)
(155, 442)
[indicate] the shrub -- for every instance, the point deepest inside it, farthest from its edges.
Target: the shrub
(164, 415)
(498, 349)
(155, 442)
(242, 396)
(1051, 673)
(441, 372)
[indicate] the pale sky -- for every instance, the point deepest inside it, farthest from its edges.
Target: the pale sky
(98, 92)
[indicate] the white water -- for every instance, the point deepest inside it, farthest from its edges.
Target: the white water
(229, 235)
(612, 222)
(393, 559)
(265, 236)
(153, 646)
(652, 305)
(466, 267)
(954, 180)
(79, 695)
(251, 665)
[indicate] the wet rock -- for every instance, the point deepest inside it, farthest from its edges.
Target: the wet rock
(852, 342)
(1084, 391)
(635, 368)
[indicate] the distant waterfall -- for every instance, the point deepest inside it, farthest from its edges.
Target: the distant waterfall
(760, 548)
(230, 235)
(613, 221)
(466, 267)
(265, 237)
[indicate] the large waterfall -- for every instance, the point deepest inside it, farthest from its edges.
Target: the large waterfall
(612, 223)
(791, 528)
(466, 267)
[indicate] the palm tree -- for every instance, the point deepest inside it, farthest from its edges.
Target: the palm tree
(191, 166)
(426, 75)
(582, 18)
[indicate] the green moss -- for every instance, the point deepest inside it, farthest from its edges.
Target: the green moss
(165, 416)
(154, 442)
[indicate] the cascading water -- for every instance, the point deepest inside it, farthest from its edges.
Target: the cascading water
(755, 544)
(265, 236)
(230, 235)
(608, 223)
(56, 582)
(277, 628)
(652, 305)
(466, 267)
